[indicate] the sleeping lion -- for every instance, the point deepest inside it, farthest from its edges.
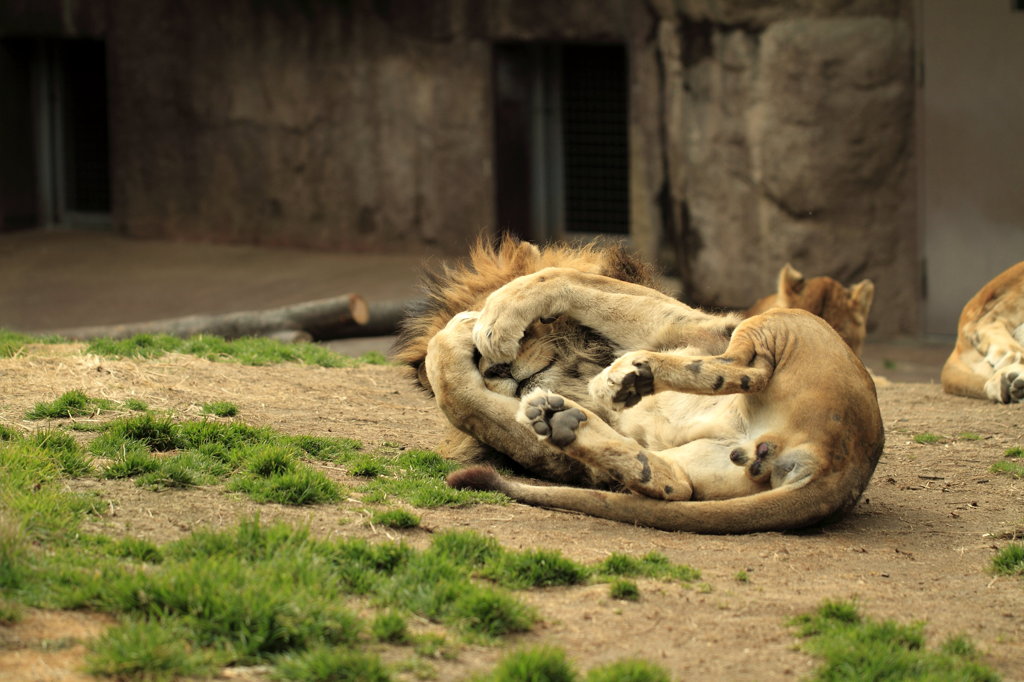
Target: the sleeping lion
(988, 360)
(570, 362)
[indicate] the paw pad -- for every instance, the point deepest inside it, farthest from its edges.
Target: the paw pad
(635, 385)
(551, 418)
(1011, 387)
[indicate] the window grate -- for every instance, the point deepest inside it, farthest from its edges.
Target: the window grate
(595, 138)
(86, 135)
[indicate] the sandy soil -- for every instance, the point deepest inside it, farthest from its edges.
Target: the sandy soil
(917, 546)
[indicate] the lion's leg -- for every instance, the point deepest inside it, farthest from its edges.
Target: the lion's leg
(965, 373)
(995, 339)
(740, 369)
(488, 416)
(629, 315)
(584, 436)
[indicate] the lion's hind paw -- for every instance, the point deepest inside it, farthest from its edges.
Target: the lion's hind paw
(551, 418)
(624, 382)
(1011, 385)
(635, 384)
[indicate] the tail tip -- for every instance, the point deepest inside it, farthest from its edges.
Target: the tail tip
(475, 478)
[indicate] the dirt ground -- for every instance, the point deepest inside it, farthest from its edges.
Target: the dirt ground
(916, 548)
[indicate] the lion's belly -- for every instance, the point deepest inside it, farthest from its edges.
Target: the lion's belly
(667, 420)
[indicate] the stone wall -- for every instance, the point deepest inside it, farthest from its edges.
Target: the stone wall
(791, 140)
(318, 124)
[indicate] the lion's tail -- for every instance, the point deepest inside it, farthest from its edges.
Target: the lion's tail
(784, 508)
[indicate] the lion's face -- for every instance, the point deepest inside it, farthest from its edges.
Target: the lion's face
(558, 354)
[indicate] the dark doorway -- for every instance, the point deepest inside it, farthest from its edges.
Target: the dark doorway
(561, 140)
(86, 140)
(55, 133)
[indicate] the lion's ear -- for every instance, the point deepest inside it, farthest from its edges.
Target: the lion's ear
(791, 281)
(862, 294)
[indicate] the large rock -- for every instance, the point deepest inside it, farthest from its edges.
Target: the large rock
(836, 100)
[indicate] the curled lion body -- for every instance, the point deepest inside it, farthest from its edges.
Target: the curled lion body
(988, 359)
(710, 423)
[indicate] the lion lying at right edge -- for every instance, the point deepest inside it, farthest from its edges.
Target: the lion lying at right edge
(769, 425)
(988, 359)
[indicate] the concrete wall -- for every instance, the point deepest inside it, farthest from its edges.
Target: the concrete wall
(972, 164)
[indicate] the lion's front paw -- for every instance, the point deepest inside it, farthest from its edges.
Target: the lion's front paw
(497, 336)
(1006, 385)
(551, 417)
(624, 382)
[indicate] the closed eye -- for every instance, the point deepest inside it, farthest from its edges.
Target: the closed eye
(499, 371)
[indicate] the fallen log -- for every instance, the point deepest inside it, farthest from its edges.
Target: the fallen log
(384, 318)
(319, 319)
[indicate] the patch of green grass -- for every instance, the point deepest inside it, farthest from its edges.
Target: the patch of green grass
(298, 486)
(14, 567)
(927, 438)
(77, 404)
(31, 492)
(543, 664)
(367, 466)
(8, 434)
(135, 405)
(65, 450)
(69, 404)
(486, 614)
(265, 465)
(417, 477)
(133, 459)
(395, 518)
(147, 430)
(221, 409)
(326, 664)
(1009, 560)
(148, 650)
(256, 595)
(1011, 465)
(389, 626)
(629, 670)
(549, 664)
(967, 435)
(533, 568)
(651, 565)
(136, 548)
(248, 350)
(742, 577)
(857, 649)
(11, 343)
(465, 548)
(324, 448)
(625, 590)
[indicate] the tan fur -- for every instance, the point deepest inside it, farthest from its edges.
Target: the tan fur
(770, 425)
(845, 309)
(988, 359)
(568, 354)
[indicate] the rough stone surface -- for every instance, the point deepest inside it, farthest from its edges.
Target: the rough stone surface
(328, 129)
(800, 150)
